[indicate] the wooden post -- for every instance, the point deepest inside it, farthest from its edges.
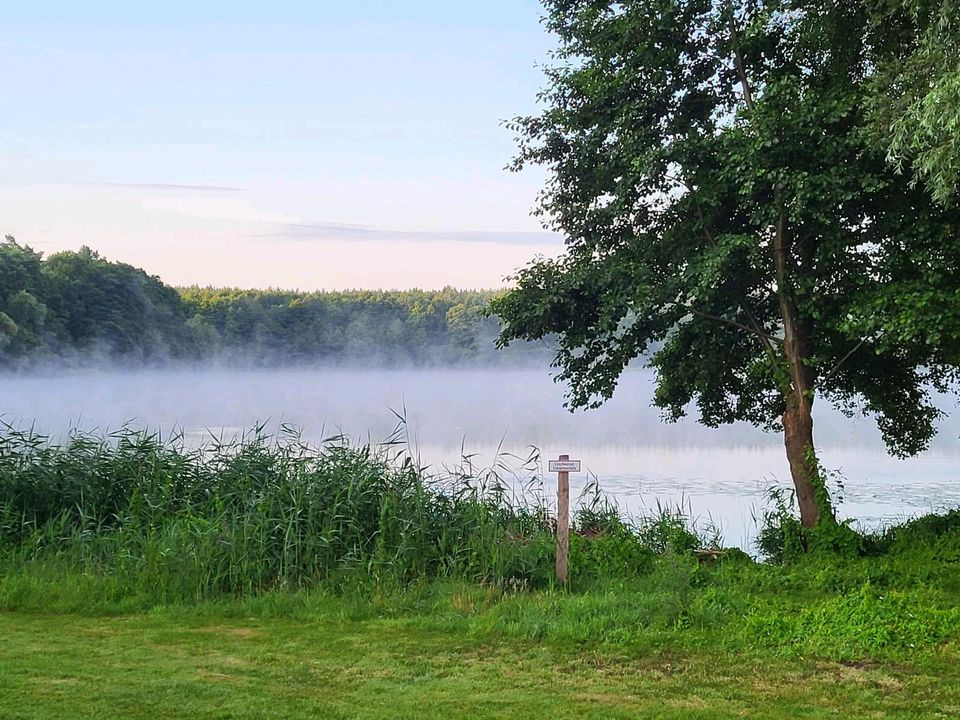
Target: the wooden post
(563, 522)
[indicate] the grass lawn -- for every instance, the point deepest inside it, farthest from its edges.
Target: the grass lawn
(169, 665)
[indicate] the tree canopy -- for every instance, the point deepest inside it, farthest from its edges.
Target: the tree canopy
(83, 308)
(363, 326)
(727, 209)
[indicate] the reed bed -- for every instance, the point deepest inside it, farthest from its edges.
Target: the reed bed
(150, 516)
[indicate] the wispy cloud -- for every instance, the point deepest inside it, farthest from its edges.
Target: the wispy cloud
(362, 233)
(179, 187)
(167, 186)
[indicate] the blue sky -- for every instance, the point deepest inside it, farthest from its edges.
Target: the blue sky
(296, 144)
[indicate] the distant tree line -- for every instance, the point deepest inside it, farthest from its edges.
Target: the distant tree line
(81, 308)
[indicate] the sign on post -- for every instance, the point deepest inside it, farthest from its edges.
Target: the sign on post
(564, 466)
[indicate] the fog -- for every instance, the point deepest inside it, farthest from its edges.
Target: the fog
(719, 475)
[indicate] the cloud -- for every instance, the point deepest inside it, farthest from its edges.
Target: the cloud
(167, 186)
(361, 233)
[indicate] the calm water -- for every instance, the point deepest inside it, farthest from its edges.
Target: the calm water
(720, 476)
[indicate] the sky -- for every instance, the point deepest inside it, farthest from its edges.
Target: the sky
(295, 144)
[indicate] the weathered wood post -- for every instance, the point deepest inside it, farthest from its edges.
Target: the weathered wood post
(563, 467)
(563, 522)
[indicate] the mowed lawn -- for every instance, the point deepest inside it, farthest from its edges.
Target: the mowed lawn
(165, 666)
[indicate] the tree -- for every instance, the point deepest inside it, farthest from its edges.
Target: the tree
(22, 324)
(116, 308)
(916, 98)
(19, 269)
(29, 315)
(729, 219)
(8, 330)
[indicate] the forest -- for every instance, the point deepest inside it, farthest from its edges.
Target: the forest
(81, 308)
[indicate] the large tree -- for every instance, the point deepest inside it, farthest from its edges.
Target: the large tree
(730, 217)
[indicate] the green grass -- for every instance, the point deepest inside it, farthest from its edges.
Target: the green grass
(681, 642)
(172, 665)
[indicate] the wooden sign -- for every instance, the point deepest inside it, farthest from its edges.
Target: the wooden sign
(563, 466)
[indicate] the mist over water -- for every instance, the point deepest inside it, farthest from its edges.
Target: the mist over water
(720, 475)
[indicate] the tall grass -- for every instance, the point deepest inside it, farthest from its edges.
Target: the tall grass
(148, 516)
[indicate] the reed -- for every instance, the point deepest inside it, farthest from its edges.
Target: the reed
(144, 515)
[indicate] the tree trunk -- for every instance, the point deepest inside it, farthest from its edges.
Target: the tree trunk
(798, 440)
(799, 389)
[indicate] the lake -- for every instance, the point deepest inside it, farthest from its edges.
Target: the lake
(720, 476)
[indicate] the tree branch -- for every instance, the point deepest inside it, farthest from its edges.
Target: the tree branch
(753, 330)
(740, 66)
(845, 358)
(765, 339)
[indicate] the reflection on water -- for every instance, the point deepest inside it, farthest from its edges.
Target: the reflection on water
(720, 475)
